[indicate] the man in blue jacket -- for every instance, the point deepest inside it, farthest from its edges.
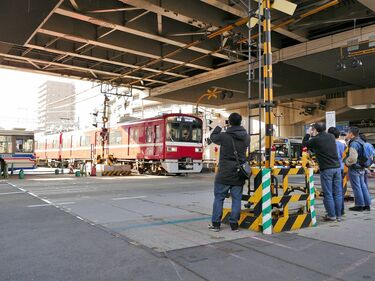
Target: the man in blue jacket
(227, 178)
(362, 196)
(370, 150)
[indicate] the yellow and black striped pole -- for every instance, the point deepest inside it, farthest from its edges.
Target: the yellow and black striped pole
(268, 88)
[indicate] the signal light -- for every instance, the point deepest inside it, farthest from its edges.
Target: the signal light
(226, 94)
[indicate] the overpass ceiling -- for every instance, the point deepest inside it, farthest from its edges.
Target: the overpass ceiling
(356, 115)
(289, 82)
(152, 43)
(324, 63)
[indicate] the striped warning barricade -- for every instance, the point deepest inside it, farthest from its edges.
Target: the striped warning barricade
(261, 217)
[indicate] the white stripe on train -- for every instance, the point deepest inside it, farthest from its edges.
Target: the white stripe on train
(185, 144)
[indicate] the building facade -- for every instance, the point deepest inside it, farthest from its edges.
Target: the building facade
(56, 106)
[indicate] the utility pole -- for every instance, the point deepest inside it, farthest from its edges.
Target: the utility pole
(104, 132)
(278, 123)
(107, 90)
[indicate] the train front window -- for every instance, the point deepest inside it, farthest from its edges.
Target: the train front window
(184, 129)
(196, 132)
(173, 131)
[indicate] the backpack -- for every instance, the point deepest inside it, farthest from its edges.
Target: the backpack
(367, 155)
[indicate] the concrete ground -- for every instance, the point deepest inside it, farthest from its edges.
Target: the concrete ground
(59, 227)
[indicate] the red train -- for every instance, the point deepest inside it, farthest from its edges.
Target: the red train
(169, 143)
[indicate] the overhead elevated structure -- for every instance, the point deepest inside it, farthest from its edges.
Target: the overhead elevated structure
(161, 45)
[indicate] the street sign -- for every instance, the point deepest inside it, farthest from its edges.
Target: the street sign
(330, 119)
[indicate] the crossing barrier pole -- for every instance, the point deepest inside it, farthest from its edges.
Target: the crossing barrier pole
(266, 202)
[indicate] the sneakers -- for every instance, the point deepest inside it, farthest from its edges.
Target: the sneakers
(339, 219)
(327, 218)
(214, 228)
(366, 208)
(357, 208)
(234, 227)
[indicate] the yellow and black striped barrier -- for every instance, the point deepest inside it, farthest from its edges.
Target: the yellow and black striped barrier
(116, 173)
(266, 204)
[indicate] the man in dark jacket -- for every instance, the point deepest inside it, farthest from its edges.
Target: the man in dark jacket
(324, 147)
(227, 178)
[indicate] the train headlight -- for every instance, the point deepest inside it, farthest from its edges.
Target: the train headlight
(171, 148)
(198, 149)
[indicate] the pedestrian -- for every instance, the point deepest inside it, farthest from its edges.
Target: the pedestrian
(340, 152)
(235, 138)
(2, 165)
(370, 150)
(324, 147)
(353, 160)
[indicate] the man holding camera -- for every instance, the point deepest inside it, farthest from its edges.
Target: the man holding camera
(324, 147)
(234, 140)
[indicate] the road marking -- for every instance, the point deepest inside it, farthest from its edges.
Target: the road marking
(273, 243)
(51, 179)
(160, 223)
(128, 198)
(39, 205)
(351, 267)
(65, 203)
(7, 193)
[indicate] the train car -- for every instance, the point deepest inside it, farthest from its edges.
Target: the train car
(17, 149)
(170, 143)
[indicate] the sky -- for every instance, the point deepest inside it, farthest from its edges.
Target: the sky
(19, 98)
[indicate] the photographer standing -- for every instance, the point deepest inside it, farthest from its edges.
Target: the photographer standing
(227, 179)
(324, 147)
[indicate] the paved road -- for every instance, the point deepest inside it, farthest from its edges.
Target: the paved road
(154, 228)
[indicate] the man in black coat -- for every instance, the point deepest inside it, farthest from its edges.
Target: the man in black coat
(227, 178)
(324, 147)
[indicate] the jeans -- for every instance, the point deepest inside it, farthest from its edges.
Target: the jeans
(220, 191)
(343, 194)
(361, 194)
(331, 182)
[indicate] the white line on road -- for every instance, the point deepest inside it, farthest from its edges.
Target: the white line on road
(39, 205)
(273, 243)
(51, 179)
(127, 198)
(7, 193)
(65, 203)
